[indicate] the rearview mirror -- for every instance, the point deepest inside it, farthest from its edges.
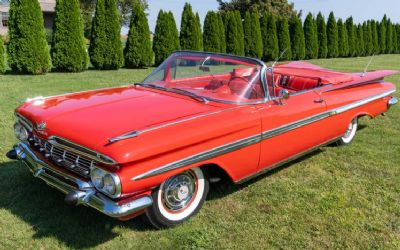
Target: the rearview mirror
(284, 94)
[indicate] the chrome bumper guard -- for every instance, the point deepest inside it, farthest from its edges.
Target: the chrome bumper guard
(393, 101)
(85, 191)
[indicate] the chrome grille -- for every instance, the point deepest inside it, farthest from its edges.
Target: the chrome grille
(64, 158)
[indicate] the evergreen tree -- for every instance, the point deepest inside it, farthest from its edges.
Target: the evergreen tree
(398, 37)
(382, 35)
(214, 33)
(221, 33)
(368, 38)
(395, 41)
(375, 39)
(68, 48)
(322, 39)
(166, 38)
(284, 39)
(105, 46)
(234, 39)
(269, 37)
(360, 41)
(28, 51)
(343, 39)
(189, 35)
(352, 37)
(333, 36)
(2, 57)
(297, 39)
(138, 52)
(389, 37)
(199, 33)
(311, 37)
(252, 35)
(240, 31)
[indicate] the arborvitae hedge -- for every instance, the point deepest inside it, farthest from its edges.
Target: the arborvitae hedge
(28, 51)
(352, 36)
(368, 45)
(234, 38)
(322, 39)
(138, 52)
(199, 33)
(333, 36)
(343, 39)
(253, 44)
(166, 38)
(284, 39)
(360, 41)
(395, 41)
(105, 48)
(297, 39)
(212, 36)
(389, 37)
(269, 37)
(68, 50)
(240, 31)
(375, 39)
(222, 34)
(189, 35)
(311, 37)
(2, 57)
(382, 34)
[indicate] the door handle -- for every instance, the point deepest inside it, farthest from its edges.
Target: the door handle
(321, 100)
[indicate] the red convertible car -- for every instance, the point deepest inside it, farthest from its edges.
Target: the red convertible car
(154, 147)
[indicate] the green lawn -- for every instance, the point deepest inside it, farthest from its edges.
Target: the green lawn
(337, 197)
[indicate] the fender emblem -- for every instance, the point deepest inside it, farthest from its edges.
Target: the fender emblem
(41, 126)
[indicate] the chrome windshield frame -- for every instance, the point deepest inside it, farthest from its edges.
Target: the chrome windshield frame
(263, 71)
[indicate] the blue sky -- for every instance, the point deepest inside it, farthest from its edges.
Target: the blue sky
(360, 9)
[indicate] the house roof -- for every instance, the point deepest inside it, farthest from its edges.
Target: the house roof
(45, 5)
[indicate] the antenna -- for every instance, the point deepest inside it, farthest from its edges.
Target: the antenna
(279, 57)
(366, 68)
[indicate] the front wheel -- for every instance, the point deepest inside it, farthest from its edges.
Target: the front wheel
(178, 198)
(350, 133)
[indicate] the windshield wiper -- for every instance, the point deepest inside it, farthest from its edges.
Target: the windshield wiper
(190, 94)
(149, 85)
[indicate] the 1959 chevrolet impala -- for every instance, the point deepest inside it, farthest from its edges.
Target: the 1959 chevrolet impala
(153, 147)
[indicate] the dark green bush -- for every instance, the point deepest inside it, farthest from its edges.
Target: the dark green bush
(382, 35)
(333, 36)
(322, 39)
(284, 39)
(311, 37)
(360, 41)
(253, 44)
(233, 35)
(297, 38)
(190, 35)
(351, 36)
(213, 34)
(138, 52)
(28, 51)
(68, 49)
(269, 37)
(343, 39)
(389, 37)
(105, 46)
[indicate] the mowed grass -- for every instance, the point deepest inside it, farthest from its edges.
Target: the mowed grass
(338, 197)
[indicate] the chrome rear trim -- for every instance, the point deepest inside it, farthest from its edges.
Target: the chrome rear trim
(393, 101)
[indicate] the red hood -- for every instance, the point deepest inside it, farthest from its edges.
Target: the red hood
(91, 118)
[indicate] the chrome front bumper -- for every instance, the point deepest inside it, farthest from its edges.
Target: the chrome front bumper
(393, 101)
(84, 191)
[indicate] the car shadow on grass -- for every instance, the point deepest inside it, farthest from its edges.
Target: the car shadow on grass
(43, 208)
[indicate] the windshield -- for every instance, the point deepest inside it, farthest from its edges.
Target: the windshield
(210, 76)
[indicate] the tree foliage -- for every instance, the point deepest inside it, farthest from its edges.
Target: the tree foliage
(222, 33)
(214, 33)
(269, 37)
(234, 33)
(166, 38)
(2, 57)
(297, 39)
(138, 52)
(360, 41)
(68, 50)
(105, 48)
(375, 38)
(28, 51)
(382, 35)
(284, 39)
(322, 39)
(352, 36)
(277, 8)
(333, 36)
(389, 37)
(252, 35)
(190, 38)
(343, 39)
(311, 37)
(368, 45)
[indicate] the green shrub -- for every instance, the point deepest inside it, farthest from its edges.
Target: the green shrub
(343, 39)
(2, 57)
(297, 39)
(68, 49)
(382, 35)
(368, 45)
(221, 33)
(190, 35)
(269, 37)
(213, 34)
(105, 46)
(28, 51)
(322, 39)
(138, 52)
(284, 39)
(360, 41)
(233, 35)
(311, 37)
(352, 36)
(389, 37)
(166, 39)
(375, 38)
(333, 36)
(253, 44)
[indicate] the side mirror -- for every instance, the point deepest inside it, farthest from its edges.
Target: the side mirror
(284, 94)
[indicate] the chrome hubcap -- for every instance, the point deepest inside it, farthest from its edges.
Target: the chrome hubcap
(178, 191)
(349, 130)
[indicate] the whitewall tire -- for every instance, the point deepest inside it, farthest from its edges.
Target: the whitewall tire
(178, 198)
(350, 133)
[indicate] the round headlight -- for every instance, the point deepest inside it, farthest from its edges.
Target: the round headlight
(109, 184)
(21, 132)
(97, 176)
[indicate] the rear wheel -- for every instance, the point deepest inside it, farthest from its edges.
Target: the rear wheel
(178, 198)
(350, 133)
